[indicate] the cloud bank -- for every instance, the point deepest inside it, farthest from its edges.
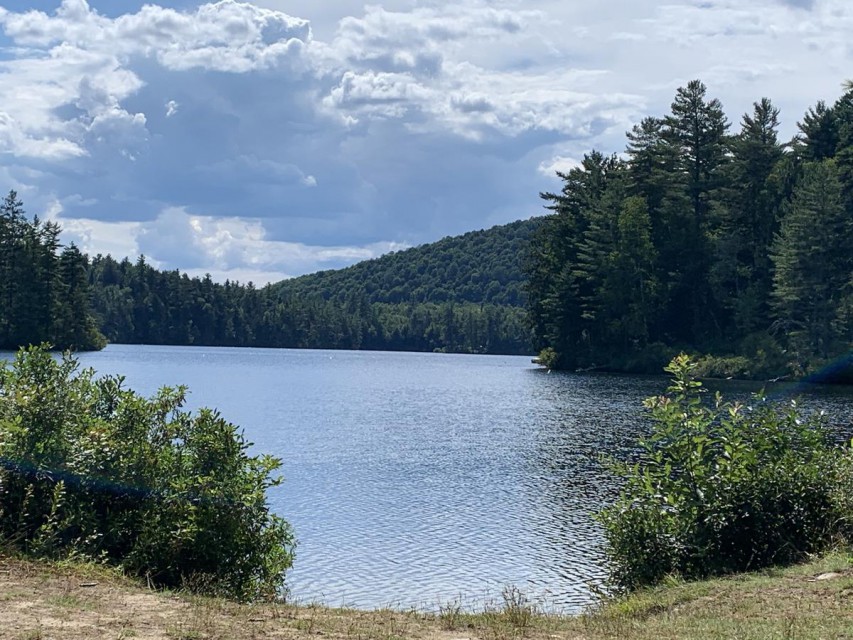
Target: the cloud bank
(268, 139)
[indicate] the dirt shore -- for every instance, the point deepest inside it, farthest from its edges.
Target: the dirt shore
(41, 601)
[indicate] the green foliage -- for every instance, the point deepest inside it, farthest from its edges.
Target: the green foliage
(477, 267)
(90, 469)
(723, 487)
(723, 367)
(701, 240)
(812, 255)
(548, 358)
(44, 296)
(139, 304)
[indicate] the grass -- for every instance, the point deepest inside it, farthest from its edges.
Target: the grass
(82, 602)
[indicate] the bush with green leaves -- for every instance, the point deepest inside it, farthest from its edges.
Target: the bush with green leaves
(724, 487)
(93, 470)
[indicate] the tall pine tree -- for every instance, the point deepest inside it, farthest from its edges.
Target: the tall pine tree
(748, 219)
(696, 130)
(812, 255)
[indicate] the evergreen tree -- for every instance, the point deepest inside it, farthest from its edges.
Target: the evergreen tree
(682, 246)
(636, 291)
(13, 272)
(74, 326)
(818, 133)
(748, 220)
(35, 313)
(39, 300)
(561, 289)
(812, 255)
(696, 131)
(843, 110)
(651, 162)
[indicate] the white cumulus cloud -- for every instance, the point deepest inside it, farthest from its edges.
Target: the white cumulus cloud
(223, 135)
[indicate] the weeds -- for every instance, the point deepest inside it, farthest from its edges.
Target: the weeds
(517, 608)
(449, 614)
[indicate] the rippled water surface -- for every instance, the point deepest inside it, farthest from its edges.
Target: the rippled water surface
(418, 479)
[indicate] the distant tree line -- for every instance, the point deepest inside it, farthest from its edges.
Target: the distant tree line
(136, 303)
(61, 296)
(697, 238)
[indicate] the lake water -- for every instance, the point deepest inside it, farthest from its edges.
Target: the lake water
(419, 479)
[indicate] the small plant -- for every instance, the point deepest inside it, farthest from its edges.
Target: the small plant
(517, 608)
(449, 613)
(722, 487)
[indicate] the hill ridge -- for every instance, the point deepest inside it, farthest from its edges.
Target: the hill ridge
(480, 266)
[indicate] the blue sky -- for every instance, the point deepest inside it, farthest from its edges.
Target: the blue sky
(261, 140)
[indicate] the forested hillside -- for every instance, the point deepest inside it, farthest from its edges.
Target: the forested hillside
(704, 238)
(461, 294)
(138, 304)
(464, 295)
(479, 266)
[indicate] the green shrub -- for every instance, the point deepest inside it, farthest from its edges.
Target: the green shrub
(89, 468)
(759, 357)
(723, 367)
(723, 487)
(548, 358)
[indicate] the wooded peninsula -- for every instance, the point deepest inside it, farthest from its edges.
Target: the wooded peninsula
(702, 240)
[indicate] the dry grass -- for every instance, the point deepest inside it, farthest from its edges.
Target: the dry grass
(63, 602)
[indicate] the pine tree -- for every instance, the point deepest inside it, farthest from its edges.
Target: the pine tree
(634, 283)
(696, 131)
(35, 313)
(748, 220)
(563, 277)
(812, 255)
(74, 327)
(818, 133)
(843, 110)
(697, 128)
(13, 228)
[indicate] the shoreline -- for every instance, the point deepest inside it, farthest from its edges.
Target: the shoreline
(43, 601)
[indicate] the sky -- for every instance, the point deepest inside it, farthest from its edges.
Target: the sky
(261, 140)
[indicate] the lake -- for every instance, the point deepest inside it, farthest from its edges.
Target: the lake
(414, 480)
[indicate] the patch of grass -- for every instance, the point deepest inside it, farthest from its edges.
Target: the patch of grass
(788, 603)
(66, 601)
(517, 609)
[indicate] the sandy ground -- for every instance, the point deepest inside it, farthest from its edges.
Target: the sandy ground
(46, 602)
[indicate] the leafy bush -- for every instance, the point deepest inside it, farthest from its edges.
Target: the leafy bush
(724, 487)
(759, 357)
(548, 358)
(723, 367)
(89, 468)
